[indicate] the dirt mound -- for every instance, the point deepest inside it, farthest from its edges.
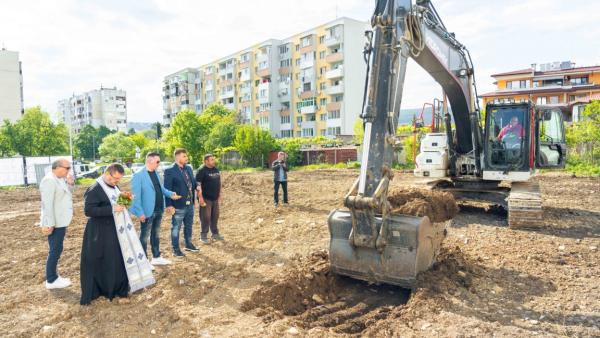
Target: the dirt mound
(439, 206)
(303, 286)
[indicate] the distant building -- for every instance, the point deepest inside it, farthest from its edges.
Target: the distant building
(310, 84)
(560, 84)
(99, 107)
(11, 86)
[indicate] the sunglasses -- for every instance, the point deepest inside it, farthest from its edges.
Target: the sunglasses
(68, 168)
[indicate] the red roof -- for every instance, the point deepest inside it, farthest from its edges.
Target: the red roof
(539, 90)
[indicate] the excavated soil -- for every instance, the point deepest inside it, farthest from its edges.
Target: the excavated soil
(271, 278)
(439, 206)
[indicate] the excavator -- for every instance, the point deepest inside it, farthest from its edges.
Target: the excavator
(491, 161)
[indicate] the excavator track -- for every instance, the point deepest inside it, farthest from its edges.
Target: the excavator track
(525, 205)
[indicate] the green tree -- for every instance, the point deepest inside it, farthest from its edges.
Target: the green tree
(359, 131)
(584, 136)
(86, 142)
(140, 140)
(34, 134)
(254, 144)
(221, 135)
(117, 147)
(6, 148)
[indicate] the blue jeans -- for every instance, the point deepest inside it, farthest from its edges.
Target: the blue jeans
(55, 244)
(151, 229)
(185, 216)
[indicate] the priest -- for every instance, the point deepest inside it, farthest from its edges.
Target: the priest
(113, 262)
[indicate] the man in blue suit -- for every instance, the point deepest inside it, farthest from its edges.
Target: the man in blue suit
(149, 204)
(180, 179)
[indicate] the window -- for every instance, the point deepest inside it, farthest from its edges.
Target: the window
(283, 49)
(307, 87)
(306, 41)
(334, 114)
(323, 132)
(332, 131)
(265, 106)
(541, 100)
(323, 117)
(338, 98)
(245, 57)
(323, 101)
(322, 55)
(321, 38)
(307, 132)
(322, 86)
(311, 117)
(286, 119)
(579, 80)
(305, 103)
(284, 63)
(299, 119)
(263, 120)
(286, 133)
(298, 62)
(297, 48)
(322, 70)
(553, 99)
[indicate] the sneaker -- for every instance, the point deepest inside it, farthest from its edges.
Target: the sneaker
(276, 205)
(160, 261)
(178, 253)
(204, 241)
(191, 248)
(59, 283)
(218, 237)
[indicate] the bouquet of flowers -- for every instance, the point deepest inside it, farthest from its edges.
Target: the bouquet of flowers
(125, 199)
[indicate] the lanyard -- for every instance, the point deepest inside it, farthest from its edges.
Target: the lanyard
(188, 182)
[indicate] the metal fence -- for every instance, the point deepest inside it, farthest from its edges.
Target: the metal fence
(21, 170)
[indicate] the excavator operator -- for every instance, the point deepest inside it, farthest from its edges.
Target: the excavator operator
(514, 128)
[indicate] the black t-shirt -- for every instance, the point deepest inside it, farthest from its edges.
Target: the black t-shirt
(158, 203)
(209, 180)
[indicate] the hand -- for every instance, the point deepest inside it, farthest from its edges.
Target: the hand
(202, 202)
(142, 218)
(170, 210)
(118, 208)
(175, 197)
(47, 230)
(70, 179)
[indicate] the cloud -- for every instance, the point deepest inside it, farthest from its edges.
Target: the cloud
(71, 46)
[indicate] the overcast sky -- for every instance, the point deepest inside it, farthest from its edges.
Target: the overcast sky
(69, 46)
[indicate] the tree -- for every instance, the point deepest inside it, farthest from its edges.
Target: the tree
(6, 148)
(117, 147)
(140, 140)
(584, 136)
(221, 135)
(87, 142)
(359, 131)
(34, 134)
(254, 144)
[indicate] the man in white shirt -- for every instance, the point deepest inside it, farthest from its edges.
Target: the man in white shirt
(56, 189)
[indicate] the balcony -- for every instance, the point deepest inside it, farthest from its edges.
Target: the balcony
(245, 91)
(208, 87)
(308, 110)
(284, 70)
(306, 63)
(226, 94)
(333, 40)
(230, 106)
(334, 90)
(265, 72)
(334, 73)
(333, 106)
(245, 76)
(307, 94)
(335, 57)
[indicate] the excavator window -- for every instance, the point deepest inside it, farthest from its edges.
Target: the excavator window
(506, 137)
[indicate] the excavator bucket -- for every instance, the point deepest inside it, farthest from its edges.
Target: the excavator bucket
(411, 246)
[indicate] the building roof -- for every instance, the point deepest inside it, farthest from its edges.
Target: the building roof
(539, 90)
(549, 72)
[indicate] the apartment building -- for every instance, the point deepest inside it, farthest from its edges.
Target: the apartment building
(11, 86)
(559, 84)
(181, 91)
(309, 84)
(99, 107)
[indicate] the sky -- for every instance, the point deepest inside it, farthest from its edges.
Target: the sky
(72, 46)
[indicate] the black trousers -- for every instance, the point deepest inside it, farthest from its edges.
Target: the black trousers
(276, 192)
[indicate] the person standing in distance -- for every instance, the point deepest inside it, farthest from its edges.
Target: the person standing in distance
(208, 180)
(280, 170)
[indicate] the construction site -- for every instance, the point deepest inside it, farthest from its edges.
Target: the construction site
(272, 278)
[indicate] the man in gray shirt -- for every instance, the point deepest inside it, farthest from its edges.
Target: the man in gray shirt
(280, 170)
(56, 189)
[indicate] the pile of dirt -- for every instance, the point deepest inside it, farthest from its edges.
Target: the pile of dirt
(304, 285)
(439, 206)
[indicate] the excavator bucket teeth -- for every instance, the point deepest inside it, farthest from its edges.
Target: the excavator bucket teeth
(412, 245)
(525, 206)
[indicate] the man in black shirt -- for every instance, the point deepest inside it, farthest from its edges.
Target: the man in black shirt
(208, 180)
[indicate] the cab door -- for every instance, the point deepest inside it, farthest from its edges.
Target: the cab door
(551, 148)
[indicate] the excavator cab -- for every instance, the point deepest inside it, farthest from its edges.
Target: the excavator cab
(507, 137)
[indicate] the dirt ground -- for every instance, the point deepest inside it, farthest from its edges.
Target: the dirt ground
(271, 277)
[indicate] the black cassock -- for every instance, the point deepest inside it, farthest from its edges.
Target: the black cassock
(102, 267)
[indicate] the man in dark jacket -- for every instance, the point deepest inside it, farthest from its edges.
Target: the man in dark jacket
(180, 180)
(210, 195)
(280, 170)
